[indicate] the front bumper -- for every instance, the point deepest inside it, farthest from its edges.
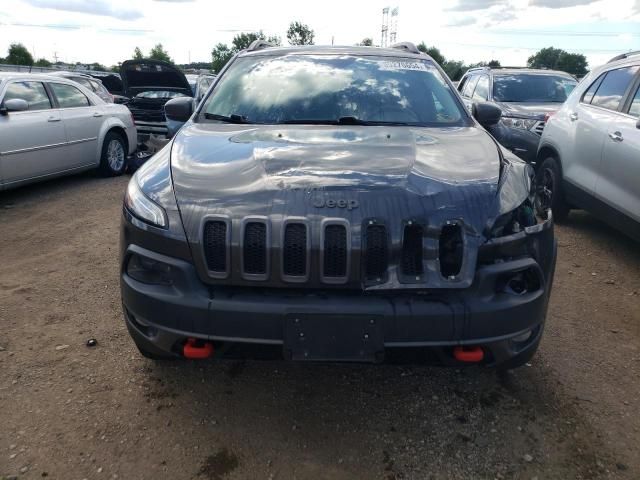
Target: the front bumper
(507, 325)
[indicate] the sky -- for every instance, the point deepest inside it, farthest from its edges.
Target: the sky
(107, 31)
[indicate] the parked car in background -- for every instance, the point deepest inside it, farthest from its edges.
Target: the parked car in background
(201, 86)
(112, 82)
(335, 203)
(589, 154)
(87, 81)
(50, 126)
(526, 97)
(149, 84)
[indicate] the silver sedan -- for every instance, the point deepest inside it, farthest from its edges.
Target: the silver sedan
(51, 126)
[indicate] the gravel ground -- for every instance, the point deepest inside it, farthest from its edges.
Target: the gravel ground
(73, 412)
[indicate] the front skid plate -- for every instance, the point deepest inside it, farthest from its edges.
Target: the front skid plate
(343, 338)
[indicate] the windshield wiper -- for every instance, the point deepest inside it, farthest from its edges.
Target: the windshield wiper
(233, 118)
(347, 120)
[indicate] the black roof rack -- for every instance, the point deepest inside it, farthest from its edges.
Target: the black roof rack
(407, 46)
(624, 55)
(259, 45)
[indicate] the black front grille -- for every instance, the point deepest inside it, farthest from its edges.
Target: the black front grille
(376, 252)
(450, 250)
(255, 248)
(335, 251)
(215, 246)
(411, 259)
(294, 250)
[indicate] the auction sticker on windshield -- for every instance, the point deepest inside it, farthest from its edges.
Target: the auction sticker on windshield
(403, 65)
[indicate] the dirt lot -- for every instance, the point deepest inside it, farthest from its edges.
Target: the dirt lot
(73, 412)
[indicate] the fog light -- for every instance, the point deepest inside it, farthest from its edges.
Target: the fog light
(523, 337)
(149, 271)
(520, 283)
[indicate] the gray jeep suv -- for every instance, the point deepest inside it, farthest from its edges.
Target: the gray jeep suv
(335, 203)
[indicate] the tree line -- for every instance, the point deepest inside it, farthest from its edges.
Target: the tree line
(301, 34)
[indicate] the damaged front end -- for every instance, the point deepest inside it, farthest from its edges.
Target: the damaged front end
(149, 84)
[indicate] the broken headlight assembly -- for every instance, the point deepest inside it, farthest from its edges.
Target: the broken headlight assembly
(515, 221)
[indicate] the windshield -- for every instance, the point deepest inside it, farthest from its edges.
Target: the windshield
(331, 89)
(532, 88)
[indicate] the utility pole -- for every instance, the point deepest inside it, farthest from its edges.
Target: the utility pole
(385, 27)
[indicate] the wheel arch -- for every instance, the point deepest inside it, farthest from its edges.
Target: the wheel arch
(546, 151)
(111, 125)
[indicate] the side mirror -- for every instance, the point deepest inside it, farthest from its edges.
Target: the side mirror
(179, 109)
(14, 105)
(486, 114)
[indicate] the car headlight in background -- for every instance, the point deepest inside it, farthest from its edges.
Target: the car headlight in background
(519, 123)
(142, 207)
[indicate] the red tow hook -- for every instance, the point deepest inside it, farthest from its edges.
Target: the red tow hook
(468, 354)
(196, 349)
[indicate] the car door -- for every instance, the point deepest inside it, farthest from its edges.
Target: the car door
(591, 119)
(82, 121)
(619, 181)
(32, 142)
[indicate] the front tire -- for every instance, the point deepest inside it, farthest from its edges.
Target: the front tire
(113, 160)
(549, 192)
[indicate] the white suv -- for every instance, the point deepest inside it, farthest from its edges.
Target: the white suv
(589, 154)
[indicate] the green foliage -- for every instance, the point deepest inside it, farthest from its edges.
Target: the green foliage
(137, 54)
(300, 34)
(43, 62)
(434, 53)
(19, 55)
(558, 59)
(494, 64)
(221, 54)
(97, 66)
(366, 42)
(159, 53)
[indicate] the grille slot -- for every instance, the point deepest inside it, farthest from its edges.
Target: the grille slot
(254, 254)
(294, 250)
(451, 250)
(411, 258)
(538, 128)
(215, 246)
(335, 251)
(376, 252)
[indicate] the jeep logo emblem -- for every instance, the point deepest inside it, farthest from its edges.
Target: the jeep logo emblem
(330, 203)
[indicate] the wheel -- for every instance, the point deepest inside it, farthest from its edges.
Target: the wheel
(549, 190)
(113, 160)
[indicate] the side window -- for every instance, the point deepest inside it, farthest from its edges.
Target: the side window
(613, 87)
(481, 92)
(69, 96)
(32, 92)
(84, 82)
(470, 86)
(591, 91)
(462, 83)
(634, 109)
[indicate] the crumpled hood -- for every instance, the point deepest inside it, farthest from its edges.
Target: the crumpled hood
(352, 174)
(241, 170)
(535, 111)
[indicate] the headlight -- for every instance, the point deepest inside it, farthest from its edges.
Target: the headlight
(142, 207)
(514, 221)
(519, 123)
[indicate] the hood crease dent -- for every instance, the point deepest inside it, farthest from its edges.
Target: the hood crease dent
(429, 175)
